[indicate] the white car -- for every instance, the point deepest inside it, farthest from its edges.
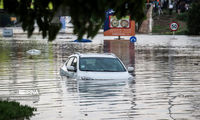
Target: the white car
(88, 66)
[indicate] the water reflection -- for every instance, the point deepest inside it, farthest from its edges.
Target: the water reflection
(123, 49)
(167, 80)
(106, 99)
(168, 74)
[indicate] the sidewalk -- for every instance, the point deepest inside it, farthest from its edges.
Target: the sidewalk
(63, 37)
(19, 30)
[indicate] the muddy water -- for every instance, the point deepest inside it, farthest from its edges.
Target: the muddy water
(166, 84)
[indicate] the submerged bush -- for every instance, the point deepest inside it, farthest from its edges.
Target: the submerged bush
(193, 23)
(13, 110)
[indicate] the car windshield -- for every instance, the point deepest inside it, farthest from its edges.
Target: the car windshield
(101, 64)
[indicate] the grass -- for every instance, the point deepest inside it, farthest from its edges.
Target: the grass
(161, 23)
(160, 29)
(13, 110)
(165, 30)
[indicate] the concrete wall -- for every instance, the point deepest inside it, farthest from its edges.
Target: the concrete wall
(146, 26)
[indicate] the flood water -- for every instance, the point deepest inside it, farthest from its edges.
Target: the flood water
(166, 84)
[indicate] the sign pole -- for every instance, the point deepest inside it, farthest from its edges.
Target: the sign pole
(174, 27)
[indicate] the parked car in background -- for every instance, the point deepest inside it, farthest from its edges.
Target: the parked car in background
(88, 66)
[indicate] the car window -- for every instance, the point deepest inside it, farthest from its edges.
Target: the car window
(69, 62)
(74, 63)
(101, 64)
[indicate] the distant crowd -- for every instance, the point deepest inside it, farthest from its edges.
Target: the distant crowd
(179, 6)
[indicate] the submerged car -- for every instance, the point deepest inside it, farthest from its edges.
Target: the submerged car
(89, 66)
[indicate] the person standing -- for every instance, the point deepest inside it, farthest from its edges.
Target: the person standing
(171, 8)
(160, 9)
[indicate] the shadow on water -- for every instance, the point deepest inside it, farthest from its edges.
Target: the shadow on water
(167, 81)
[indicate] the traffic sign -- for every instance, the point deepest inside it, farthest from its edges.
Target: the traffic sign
(133, 39)
(174, 26)
(7, 32)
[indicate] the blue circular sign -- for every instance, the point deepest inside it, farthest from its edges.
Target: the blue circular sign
(133, 39)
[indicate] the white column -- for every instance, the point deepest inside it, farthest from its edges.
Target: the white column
(170, 2)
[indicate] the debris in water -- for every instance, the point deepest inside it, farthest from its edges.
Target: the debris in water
(33, 52)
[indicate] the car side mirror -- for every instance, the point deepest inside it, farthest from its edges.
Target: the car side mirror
(71, 68)
(130, 69)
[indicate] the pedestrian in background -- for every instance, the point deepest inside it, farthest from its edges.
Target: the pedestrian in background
(171, 8)
(160, 10)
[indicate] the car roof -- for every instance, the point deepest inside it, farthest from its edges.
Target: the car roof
(107, 55)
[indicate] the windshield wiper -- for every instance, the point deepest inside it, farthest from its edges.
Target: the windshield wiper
(110, 71)
(102, 70)
(88, 70)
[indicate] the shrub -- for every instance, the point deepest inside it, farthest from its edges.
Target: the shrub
(182, 16)
(13, 110)
(193, 22)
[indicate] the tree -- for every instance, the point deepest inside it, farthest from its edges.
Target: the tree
(193, 18)
(87, 15)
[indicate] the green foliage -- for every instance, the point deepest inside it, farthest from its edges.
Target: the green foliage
(182, 16)
(87, 15)
(13, 110)
(193, 23)
(160, 29)
(1, 4)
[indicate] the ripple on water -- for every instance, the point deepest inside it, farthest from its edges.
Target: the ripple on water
(167, 82)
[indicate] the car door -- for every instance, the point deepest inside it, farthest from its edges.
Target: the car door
(72, 62)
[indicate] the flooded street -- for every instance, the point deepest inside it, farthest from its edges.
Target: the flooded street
(166, 82)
